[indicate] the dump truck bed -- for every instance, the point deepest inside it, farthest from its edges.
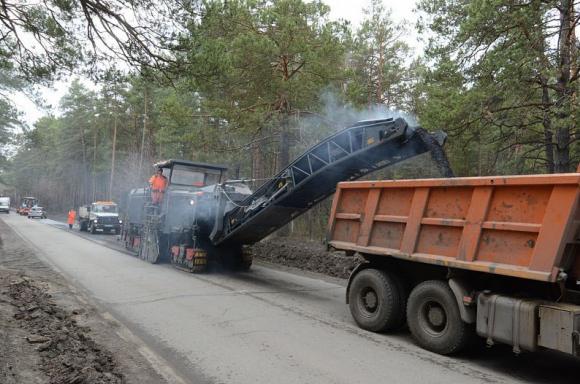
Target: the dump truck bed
(521, 226)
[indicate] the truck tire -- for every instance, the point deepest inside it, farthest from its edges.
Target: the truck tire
(377, 300)
(434, 319)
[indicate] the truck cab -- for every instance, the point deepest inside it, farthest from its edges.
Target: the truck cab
(100, 216)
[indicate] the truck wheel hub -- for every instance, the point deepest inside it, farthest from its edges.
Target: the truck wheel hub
(436, 316)
(370, 300)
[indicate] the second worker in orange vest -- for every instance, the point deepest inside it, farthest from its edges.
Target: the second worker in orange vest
(71, 218)
(158, 183)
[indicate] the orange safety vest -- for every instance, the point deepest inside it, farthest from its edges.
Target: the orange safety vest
(71, 216)
(158, 183)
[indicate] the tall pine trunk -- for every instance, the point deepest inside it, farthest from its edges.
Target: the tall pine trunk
(284, 157)
(547, 124)
(257, 165)
(564, 90)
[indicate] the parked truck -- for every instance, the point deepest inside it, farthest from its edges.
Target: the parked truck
(5, 204)
(25, 204)
(100, 216)
(496, 257)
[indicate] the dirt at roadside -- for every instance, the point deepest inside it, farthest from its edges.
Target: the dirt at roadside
(65, 351)
(48, 334)
(305, 255)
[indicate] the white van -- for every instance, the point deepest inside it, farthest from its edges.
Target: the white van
(5, 204)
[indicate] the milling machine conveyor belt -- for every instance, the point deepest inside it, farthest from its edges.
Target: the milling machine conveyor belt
(348, 155)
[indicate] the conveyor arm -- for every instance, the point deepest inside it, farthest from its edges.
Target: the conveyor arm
(348, 155)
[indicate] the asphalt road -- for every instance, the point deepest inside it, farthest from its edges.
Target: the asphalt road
(264, 326)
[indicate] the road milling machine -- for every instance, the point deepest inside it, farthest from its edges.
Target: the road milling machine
(205, 219)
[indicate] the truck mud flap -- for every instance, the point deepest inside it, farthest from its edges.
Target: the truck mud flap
(357, 269)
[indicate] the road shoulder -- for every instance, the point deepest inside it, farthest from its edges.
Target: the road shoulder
(50, 332)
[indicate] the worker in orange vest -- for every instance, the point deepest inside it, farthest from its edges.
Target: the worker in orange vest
(158, 183)
(71, 218)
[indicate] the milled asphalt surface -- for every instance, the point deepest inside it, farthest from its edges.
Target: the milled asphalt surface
(264, 326)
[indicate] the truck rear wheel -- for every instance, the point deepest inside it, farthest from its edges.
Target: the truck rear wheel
(434, 319)
(377, 300)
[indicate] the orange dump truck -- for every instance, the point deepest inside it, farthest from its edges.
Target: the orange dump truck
(492, 256)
